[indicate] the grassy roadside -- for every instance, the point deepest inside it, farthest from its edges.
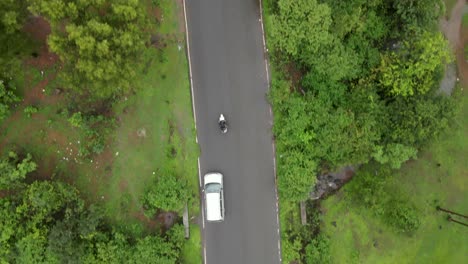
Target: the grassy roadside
(154, 129)
(289, 213)
(157, 120)
(438, 177)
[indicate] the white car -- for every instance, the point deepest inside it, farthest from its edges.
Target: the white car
(214, 197)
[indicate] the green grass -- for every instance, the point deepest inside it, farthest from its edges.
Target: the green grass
(162, 104)
(465, 20)
(465, 51)
(119, 181)
(437, 240)
(191, 252)
(130, 164)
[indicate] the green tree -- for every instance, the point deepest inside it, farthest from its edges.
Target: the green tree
(98, 41)
(318, 250)
(301, 29)
(394, 154)
(13, 170)
(31, 248)
(47, 222)
(169, 193)
(154, 250)
(417, 120)
(7, 97)
(12, 16)
(418, 13)
(296, 175)
(9, 223)
(412, 69)
(115, 250)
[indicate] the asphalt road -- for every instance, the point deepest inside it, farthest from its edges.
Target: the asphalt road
(229, 77)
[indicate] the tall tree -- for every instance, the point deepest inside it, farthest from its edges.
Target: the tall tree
(411, 69)
(98, 41)
(13, 170)
(418, 13)
(12, 15)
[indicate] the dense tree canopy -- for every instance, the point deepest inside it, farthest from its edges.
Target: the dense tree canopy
(168, 193)
(370, 71)
(12, 16)
(98, 41)
(48, 222)
(411, 68)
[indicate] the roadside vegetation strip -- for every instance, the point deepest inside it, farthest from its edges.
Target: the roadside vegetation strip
(346, 93)
(437, 178)
(154, 136)
(191, 251)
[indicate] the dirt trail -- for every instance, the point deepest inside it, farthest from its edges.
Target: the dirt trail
(457, 37)
(451, 28)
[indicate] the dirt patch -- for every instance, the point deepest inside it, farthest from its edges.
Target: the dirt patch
(156, 12)
(457, 38)
(330, 183)
(104, 160)
(123, 185)
(167, 219)
(44, 59)
(151, 224)
(295, 75)
(181, 15)
(461, 60)
(37, 95)
(39, 29)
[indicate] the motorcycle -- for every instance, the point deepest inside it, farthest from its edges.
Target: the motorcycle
(222, 124)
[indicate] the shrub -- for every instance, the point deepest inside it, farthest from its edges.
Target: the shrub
(30, 110)
(290, 250)
(76, 120)
(402, 215)
(318, 250)
(466, 52)
(169, 193)
(7, 97)
(372, 189)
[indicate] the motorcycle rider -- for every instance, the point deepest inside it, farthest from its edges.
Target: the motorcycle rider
(222, 123)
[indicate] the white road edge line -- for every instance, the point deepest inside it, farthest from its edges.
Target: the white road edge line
(199, 172)
(204, 255)
(265, 51)
(203, 216)
(190, 68)
(187, 40)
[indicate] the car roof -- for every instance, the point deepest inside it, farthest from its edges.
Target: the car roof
(213, 207)
(213, 177)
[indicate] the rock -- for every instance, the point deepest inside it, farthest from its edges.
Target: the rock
(58, 91)
(141, 132)
(330, 182)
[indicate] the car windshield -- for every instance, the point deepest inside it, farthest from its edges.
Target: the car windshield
(212, 187)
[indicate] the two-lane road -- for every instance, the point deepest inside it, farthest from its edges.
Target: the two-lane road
(229, 77)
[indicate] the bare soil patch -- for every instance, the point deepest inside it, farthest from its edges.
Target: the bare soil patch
(123, 185)
(181, 15)
(39, 29)
(461, 60)
(151, 224)
(168, 219)
(457, 38)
